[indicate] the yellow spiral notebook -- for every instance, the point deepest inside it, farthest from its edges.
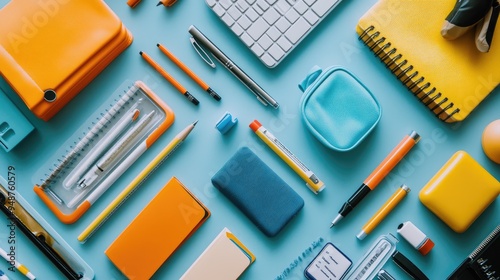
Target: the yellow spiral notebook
(449, 77)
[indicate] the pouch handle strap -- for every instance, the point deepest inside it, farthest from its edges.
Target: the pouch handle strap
(310, 78)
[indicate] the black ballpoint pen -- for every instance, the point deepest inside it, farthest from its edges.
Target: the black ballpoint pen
(408, 142)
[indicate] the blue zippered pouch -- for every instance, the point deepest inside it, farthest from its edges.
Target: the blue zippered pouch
(337, 108)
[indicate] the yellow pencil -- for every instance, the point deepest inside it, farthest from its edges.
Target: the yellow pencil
(383, 211)
(312, 181)
(120, 199)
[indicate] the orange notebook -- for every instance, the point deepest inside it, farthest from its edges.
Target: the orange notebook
(159, 229)
(451, 78)
(47, 61)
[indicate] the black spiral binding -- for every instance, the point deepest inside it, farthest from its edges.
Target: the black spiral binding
(424, 91)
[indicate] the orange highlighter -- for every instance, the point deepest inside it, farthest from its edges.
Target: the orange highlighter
(378, 174)
(383, 211)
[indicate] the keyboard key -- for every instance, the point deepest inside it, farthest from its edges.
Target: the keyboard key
(276, 52)
(292, 15)
(282, 24)
(225, 4)
(273, 33)
(301, 7)
(322, 6)
(258, 28)
(271, 16)
(258, 10)
(258, 50)
(263, 5)
(265, 42)
(252, 14)
(283, 6)
(227, 19)
(268, 60)
(244, 22)
(242, 6)
(246, 39)
(237, 29)
(297, 30)
(311, 17)
(271, 28)
(234, 12)
(219, 10)
(284, 43)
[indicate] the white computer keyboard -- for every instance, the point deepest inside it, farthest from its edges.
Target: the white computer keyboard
(271, 28)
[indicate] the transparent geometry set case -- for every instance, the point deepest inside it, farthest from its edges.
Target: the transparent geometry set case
(42, 235)
(102, 149)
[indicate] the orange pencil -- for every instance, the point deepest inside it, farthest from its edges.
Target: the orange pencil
(169, 78)
(379, 174)
(166, 3)
(189, 72)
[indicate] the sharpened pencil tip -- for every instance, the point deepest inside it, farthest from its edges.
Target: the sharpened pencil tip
(157, 45)
(159, 3)
(140, 52)
(194, 124)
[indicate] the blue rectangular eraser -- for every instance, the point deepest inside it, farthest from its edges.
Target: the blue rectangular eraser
(14, 126)
(268, 201)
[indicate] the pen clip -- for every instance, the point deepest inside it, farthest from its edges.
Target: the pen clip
(201, 52)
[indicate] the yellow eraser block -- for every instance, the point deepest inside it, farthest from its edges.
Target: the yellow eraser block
(460, 191)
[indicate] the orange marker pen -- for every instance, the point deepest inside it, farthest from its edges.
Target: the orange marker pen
(383, 211)
(189, 72)
(169, 78)
(378, 174)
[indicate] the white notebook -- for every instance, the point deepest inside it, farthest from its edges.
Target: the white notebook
(225, 258)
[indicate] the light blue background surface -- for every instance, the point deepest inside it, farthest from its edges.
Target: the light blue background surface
(334, 42)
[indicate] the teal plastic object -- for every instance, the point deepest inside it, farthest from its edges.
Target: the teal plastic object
(14, 126)
(226, 122)
(337, 108)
